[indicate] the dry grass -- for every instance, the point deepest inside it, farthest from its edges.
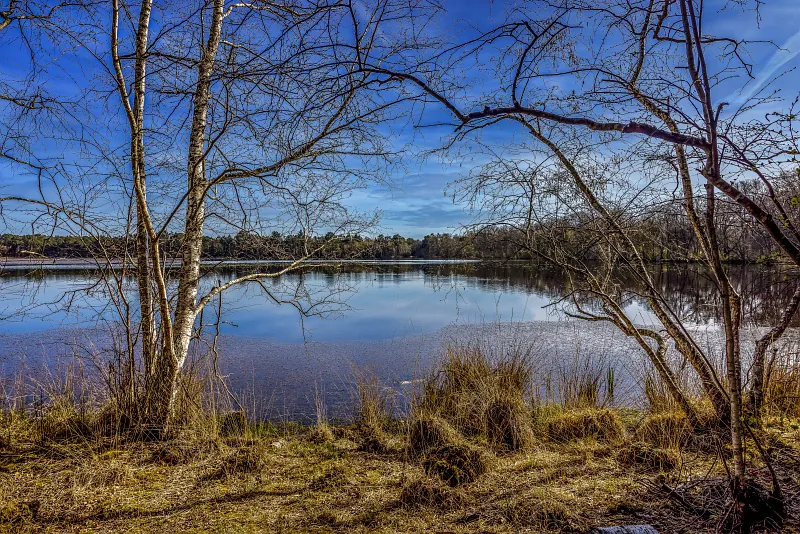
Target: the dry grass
(782, 386)
(666, 430)
(646, 457)
(455, 464)
(294, 484)
(426, 491)
(472, 465)
(427, 432)
(603, 424)
(481, 394)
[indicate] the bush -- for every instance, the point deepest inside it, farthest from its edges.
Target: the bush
(431, 493)
(508, 424)
(455, 464)
(428, 432)
(602, 424)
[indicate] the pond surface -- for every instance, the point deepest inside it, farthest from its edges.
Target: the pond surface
(394, 319)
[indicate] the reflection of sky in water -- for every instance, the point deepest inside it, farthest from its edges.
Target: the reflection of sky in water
(364, 306)
(385, 306)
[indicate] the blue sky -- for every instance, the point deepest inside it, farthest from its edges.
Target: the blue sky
(417, 203)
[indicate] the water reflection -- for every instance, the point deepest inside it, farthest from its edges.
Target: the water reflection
(382, 301)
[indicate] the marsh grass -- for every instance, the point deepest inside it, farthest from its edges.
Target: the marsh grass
(782, 385)
(482, 395)
(451, 465)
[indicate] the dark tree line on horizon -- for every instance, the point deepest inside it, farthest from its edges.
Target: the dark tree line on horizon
(661, 234)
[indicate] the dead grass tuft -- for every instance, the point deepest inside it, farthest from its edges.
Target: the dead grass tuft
(431, 493)
(480, 394)
(321, 433)
(648, 458)
(509, 424)
(232, 424)
(542, 514)
(600, 423)
(99, 474)
(455, 464)
(666, 430)
(373, 439)
(245, 460)
(427, 432)
(61, 423)
(782, 387)
(334, 476)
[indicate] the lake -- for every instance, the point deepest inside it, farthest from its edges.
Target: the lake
(392, 319)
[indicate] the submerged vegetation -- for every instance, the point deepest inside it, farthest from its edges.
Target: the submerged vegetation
(479, 450)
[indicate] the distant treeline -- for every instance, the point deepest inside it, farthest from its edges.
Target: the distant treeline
(246, 245)
(662, 238)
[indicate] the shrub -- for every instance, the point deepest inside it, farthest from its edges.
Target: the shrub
(431, 493)
(602, 424)
(455, 464)
(428, 432)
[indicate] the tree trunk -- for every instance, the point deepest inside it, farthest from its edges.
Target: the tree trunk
(186, 304)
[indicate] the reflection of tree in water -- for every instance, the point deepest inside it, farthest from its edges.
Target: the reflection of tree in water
(688, 289)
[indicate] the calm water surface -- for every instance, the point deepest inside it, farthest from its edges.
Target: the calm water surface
(392, 318)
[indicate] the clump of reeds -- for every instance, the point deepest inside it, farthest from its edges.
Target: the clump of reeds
(481, 395)
(782, 385)
(600, 423)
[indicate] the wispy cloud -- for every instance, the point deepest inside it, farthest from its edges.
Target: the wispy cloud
(786, 53)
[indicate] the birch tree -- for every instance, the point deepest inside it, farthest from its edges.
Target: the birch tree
(225, 117)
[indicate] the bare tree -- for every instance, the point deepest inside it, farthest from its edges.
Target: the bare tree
(654, 80)
(239, 117)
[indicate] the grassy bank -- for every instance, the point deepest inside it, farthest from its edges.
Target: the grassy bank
(477, 454)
